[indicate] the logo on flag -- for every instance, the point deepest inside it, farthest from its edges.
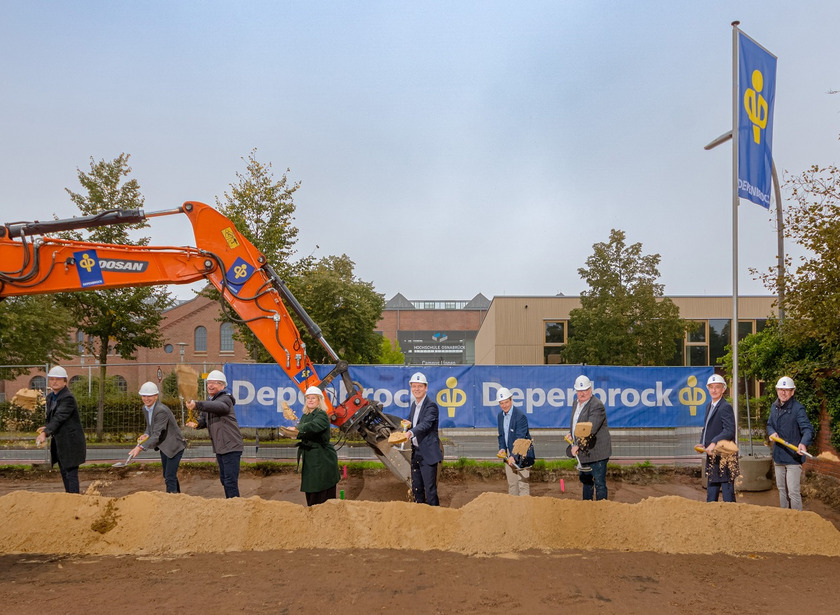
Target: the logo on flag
(756, 94)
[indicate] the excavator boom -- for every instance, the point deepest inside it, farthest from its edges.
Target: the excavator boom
(36, 263)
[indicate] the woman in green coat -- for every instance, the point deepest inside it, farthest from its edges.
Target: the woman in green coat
(319, 473)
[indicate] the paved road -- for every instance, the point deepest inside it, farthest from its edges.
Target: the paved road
(631, 445)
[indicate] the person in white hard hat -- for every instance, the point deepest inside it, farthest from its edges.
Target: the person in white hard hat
(162, 434)
(319, 462)
(219, 417)
(593, 451)
(789, 421)
(426, 453)
(719, 425)
(67, 446)
(513, 426)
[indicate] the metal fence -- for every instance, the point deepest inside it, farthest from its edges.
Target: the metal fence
(123, 421)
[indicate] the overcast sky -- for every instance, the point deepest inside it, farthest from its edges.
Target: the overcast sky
(448, 148)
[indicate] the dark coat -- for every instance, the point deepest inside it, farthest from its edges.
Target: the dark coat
(791, 422)
(518, 429)
(426, 431)
(218, 416)
(601, 447)
(721, 426)
(164, 433)
(65, 427)
(320, 461)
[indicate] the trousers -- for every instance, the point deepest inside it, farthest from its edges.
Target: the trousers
(788, 479)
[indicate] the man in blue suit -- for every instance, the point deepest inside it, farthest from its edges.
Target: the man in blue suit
(721, 470)
(513, 426)
(426, 453)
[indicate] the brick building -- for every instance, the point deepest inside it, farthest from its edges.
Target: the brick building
(192, 334)
(434, 332)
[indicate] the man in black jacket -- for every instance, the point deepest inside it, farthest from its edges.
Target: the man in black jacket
(789, 421)
(218, 416)
(67, 447)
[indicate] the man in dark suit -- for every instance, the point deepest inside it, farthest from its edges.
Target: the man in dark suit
(721, 470)
(426, 453)
(67, 447)
(513, 426)
(593, 451)
(163, 435)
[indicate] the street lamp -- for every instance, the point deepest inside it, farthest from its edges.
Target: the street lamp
(780, 226)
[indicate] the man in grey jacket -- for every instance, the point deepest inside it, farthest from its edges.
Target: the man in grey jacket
(594, 450)
(162, 434)
(218, 416)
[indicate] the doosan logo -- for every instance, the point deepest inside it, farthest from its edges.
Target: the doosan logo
(113, 264)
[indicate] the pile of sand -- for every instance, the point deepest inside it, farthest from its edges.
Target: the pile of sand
(154, 523)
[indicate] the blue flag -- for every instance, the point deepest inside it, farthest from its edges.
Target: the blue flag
(756, 94)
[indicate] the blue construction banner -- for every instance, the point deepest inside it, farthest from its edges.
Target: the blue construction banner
(634, 397)
(757, 94)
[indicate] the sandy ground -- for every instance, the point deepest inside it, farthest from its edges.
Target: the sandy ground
(481, 553)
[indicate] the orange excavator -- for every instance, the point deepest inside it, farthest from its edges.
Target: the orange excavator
(33, 262)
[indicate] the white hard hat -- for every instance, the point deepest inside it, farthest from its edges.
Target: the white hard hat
(217, 375)
(419, 377)
(314, 391)
(785, 382)
(57, 372)
(149, 388)
(503, 394)
(582, 383)
(716, 379)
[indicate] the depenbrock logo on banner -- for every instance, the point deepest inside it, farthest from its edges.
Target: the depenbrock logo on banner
(465, 395)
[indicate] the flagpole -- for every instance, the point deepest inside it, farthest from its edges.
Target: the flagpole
(735, 202)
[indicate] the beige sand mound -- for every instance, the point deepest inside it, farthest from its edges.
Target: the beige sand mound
(158, 523)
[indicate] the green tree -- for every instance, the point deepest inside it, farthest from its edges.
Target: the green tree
(119, 320)
(346, 308)
(812, 288)
(33, 331)
(390, 353)
(262, 209)
(624, 319)
(807, 346)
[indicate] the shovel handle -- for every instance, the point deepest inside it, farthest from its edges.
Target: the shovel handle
(795, 449)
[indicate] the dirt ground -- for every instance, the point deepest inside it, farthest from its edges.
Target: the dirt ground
(654, 548)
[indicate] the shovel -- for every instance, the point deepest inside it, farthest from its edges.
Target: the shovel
(580, 468)
(795, 449)
(122, 464)
(504, 457)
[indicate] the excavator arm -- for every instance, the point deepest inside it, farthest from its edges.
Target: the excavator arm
(34, 262)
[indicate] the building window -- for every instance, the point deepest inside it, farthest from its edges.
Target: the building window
(39, 383)
(226, 337)
(200, 339)
(710, 341)
(80, 343)
(122, 384)
(555, 340)
(74, 380)
(168, 349)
